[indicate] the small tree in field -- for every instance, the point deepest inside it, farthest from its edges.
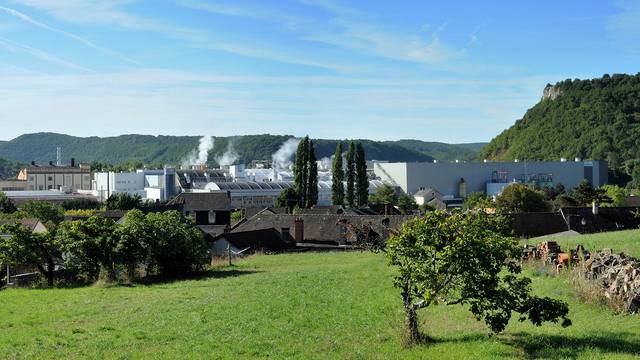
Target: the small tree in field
(463, 258)
(24, 247)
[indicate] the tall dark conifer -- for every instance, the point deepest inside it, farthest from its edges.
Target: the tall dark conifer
(337, 187)
(312, 187)
(301, 170)
(350, 175)
(362, 181)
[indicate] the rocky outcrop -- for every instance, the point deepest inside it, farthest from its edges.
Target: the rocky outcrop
(551, 92)
(619, 276)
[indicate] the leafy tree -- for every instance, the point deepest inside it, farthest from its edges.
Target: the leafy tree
(24, 247)
(6, 205)
(350, 195)
(337, 187)
(585, 194)
(406, 204)
(312, 192)
(362, 180)
(288, 198)
(133, 240)
(124, 201)
(521, 198)
(617, 194)
(385, 194)
(81, 204)
(564, 200)
(49, 214)
(463, 258)
(90, 247)
(477, 200)
(178, 245)
(301, 170)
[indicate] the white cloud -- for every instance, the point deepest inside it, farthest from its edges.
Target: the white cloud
(624, 26)
(12, 46)
(80, 39)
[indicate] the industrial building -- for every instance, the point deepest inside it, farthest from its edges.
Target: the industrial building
(52, 177)
(154, 185)
(456, 180)
(250, 194)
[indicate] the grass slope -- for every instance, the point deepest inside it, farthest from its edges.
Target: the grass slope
(627, 241)
(332, 305)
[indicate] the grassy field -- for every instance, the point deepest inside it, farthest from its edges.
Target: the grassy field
(331, 305)
(627, 241)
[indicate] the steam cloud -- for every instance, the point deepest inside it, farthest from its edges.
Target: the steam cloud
(282, 159)
(229, 157)
(200, 156)
(326, 162)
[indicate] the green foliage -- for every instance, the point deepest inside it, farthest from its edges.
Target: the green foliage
(47, 213)
(80, 213)
(305, 174)
(521, 198)
(591, 119)
(178, 246)
(463, 258)
(24, 247)
(6, 205)
(124, 201)
(81, 204)
(585, 194)
(9, 169)
(90, 247)
(406, 204)
(362, 180)
(288, 198)
(617, 194)
(350, 175)
(385, 194)
(477, 200)
(237, 215)
(442, 151)
(337, 172)
(134, 239)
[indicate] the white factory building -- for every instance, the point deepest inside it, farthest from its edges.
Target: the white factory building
(156, 185)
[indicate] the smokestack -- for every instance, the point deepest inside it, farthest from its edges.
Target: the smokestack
(33, 163)
(51, 163)
(73, 162)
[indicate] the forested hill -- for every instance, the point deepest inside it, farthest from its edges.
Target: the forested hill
(591, 119)
(158, 150)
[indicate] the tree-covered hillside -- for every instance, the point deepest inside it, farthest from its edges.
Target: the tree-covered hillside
(590, 119)
(9, 169)
(441, 151)
(174, 150)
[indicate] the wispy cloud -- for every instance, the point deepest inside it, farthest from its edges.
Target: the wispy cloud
(625, 25)
(80, 39)
(40, 54)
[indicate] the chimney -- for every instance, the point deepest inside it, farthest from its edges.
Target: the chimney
(33, 163)
(298, 230)
(51, 163)
(594, 208)
(73, 162)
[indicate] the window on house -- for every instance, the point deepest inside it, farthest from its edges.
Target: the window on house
(212, 217)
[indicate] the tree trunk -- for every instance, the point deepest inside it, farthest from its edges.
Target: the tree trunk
(412, 317)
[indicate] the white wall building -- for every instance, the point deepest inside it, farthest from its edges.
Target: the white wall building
(156, 185)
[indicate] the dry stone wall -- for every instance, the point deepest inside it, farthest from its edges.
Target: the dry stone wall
(619, 275)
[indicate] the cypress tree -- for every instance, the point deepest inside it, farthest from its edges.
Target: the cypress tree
(312, 187)
(301, 170)
(350, 175)
(362, 181)
(337, 187)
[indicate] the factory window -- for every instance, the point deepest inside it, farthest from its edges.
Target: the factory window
(50, 178)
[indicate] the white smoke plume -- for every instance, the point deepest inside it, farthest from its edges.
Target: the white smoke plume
(282, 159)
(326, 163)
(229, 157)
(200, 156)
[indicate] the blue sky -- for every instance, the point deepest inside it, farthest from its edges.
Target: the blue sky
(454, 71)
